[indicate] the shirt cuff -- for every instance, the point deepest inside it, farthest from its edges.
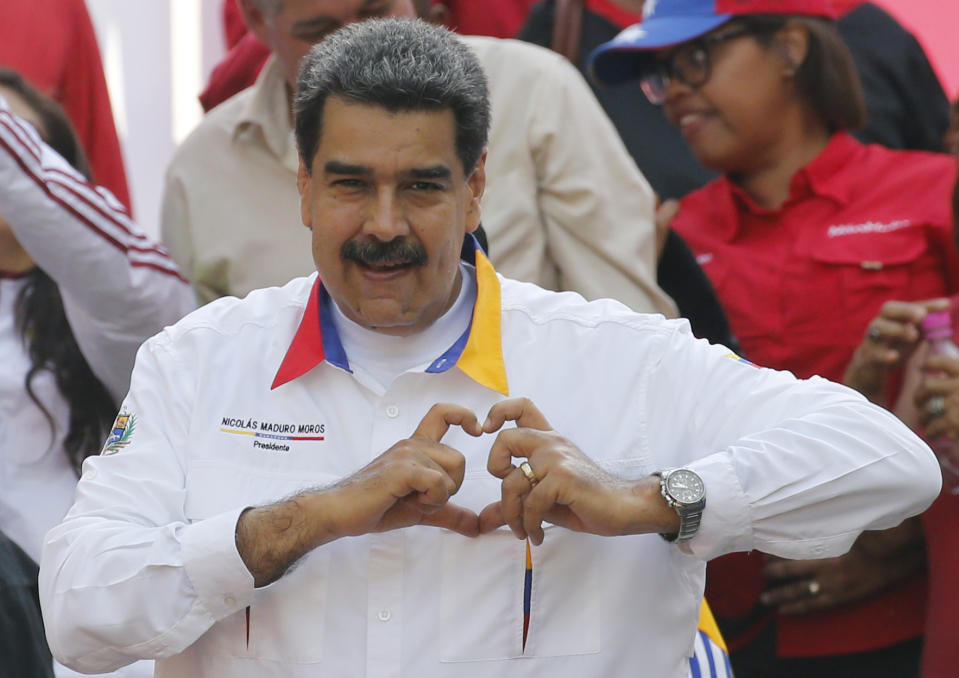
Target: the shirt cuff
(726, 525)
(214, 566)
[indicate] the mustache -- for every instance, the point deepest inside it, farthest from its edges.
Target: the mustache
(396, 252)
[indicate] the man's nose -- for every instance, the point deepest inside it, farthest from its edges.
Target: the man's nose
(386, 219)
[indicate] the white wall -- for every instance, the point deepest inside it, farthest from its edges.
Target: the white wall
(157, 55)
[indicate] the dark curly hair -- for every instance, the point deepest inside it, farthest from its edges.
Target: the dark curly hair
(39, 315)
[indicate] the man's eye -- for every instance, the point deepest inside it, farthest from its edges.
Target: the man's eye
(348, 183)
(425, 186)
(315, 35)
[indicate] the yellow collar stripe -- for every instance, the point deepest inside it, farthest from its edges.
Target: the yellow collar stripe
(482, 359)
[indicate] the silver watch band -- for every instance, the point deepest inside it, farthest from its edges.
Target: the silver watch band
(690, 515)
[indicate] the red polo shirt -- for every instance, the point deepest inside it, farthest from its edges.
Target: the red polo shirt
(862, 225)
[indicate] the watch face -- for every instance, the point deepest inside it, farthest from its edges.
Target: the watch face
(685, 486)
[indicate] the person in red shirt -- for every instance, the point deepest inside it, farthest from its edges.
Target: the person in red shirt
(52, 44)
(804, 236)
(929, 404)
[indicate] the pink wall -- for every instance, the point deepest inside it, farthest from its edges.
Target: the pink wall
(935, 23)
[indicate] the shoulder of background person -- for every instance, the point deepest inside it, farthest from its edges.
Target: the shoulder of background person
(924, 170)
(215, 131)
(517, 55)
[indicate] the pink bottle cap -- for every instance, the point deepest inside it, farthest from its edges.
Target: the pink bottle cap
(937, 324)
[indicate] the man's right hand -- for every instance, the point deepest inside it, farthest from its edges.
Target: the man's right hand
(409, 484)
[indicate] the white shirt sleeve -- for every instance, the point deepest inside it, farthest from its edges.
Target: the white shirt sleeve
(795, 468)
(127, 542)
(118, 285)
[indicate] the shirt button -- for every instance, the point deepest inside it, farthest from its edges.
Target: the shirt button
(392, 411)
(229, 600)
(384, 615)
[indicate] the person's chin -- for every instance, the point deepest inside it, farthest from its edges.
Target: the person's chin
(392, 324)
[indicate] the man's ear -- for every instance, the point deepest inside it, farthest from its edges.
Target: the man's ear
(304, 185)
(255, 20)
(476, 183)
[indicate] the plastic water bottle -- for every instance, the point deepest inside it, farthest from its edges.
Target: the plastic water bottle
(937, 330)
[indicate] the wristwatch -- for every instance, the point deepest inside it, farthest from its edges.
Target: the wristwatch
(684, 491)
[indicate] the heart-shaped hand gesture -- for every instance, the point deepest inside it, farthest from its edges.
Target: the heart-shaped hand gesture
(558, 482)
(412, 482)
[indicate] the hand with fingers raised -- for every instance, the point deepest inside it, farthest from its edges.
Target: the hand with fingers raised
(409, 484)
(558, 483)
(890, 339)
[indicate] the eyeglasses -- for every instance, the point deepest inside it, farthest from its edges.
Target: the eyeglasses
(691, 64)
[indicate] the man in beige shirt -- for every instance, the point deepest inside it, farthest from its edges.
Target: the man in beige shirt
(566, 206)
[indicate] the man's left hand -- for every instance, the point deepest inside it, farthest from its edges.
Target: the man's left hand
(560, 484)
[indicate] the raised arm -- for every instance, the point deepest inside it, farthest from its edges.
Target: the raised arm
(119, 287)
(795, 468)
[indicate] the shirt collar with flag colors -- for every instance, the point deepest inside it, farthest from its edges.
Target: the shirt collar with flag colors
(478, 352)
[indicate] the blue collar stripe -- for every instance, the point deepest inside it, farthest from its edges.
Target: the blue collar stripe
(332, 346)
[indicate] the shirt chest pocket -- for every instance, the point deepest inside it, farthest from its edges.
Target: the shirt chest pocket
(487, 590)
(287, 620)
(837, 285)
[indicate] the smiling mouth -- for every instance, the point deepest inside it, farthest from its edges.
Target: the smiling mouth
(690, 119)
(386, 266)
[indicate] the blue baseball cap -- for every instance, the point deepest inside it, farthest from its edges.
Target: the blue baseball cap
(673, 22)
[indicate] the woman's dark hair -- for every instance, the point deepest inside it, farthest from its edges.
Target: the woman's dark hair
(827, 77)
(39, 314)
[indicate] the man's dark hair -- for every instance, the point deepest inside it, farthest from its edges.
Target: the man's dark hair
(400, 65)
(827, 77)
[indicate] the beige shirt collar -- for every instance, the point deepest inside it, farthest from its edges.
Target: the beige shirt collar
(265, 113)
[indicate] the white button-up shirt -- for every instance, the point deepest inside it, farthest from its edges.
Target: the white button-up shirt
(246, 402)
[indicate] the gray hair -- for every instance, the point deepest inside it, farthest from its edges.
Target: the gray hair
(400, 65)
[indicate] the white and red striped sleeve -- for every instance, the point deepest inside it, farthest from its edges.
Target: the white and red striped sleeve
(119, 286)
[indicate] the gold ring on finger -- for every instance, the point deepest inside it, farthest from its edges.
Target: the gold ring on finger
(528, 472)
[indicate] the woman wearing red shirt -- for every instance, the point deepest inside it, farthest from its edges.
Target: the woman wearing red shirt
(804, 237)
